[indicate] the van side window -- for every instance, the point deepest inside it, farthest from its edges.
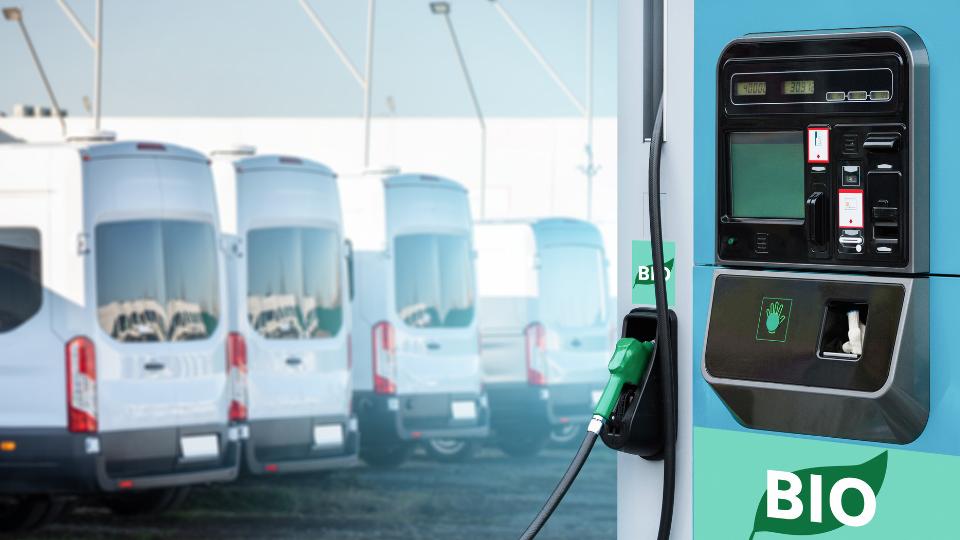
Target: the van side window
(294, 286)
(21, 289)
(434, 281)
(157, 280)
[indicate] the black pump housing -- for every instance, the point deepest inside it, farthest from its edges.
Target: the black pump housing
(636, 425)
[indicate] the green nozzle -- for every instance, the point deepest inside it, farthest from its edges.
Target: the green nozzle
(627, 365)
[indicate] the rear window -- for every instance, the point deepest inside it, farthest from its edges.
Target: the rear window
(572, 287)
(157, 280)
(21, 290)
(293, 282)
(434, 280)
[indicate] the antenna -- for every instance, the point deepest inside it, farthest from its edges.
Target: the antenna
(95, 41)
(14, 14)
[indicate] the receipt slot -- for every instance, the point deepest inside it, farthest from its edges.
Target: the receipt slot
(822, 174)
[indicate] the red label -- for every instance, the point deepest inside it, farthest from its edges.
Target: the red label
(818, 145)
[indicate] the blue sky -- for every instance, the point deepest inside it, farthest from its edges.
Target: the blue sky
(264, 58)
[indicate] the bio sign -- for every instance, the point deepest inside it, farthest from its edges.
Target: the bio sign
(820, 499)
(642, 286)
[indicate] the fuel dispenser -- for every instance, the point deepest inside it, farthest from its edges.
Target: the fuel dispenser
(822, 168)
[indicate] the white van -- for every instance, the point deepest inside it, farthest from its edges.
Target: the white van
(115, 375)
(545, 327)
(290, 301)
(417, 368)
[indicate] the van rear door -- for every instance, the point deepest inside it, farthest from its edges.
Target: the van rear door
(161, 358)
(32, 386)
(294, 295)
(573, 308)
(434, 301)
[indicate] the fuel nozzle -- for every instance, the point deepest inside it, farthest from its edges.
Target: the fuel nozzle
(629, 362)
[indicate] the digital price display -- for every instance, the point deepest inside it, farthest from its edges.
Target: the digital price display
(797, 87)
(752, 88)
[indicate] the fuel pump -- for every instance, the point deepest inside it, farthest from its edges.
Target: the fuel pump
(637, 411)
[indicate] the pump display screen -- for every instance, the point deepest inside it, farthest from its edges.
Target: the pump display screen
(766, 175)
(752, 88)
(797, 87)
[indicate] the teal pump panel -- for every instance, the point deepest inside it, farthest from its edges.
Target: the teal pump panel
(825, 401)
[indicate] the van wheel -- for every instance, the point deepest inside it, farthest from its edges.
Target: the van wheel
(151, 501)
(567, 434)
(20, 514)
(522, 444)
(451, 450)
(386, 456)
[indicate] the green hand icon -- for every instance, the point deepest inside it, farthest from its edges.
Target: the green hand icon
(774, 316)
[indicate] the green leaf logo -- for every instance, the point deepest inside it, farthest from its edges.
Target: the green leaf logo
(852, 500)
(645, 276)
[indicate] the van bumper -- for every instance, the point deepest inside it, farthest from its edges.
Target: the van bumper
(555, 405)
(384, 419)
(59, 462)
(288, 445)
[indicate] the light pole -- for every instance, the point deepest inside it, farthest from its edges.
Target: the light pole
(443, 9)
(15, 15)
(590, 169)
(366, 80)
(96, 43)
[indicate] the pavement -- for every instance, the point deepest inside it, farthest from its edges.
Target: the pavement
(490, 496)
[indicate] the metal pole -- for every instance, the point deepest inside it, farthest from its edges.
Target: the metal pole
(589, 113)
(76, 23)
(368, 84)
(97, 64)
(539, 57)
(334, 44)
(479, 113)
(43, 74)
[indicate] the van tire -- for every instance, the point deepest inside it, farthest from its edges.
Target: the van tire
(567, 435)
(451, 450)
(519, 444)
(21, 514)
(386, 456)
(148, 502)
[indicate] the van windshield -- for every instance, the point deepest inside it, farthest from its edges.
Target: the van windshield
(434, 280)
(572, 287)
(293, 282)
(20, 289)
(157, 280)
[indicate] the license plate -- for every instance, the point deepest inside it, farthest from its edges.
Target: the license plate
(200, 446)
(595, 397)
(328, 436)
(464, 410)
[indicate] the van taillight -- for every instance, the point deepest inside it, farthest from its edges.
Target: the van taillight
(536, 343)
(384, 358)
(81, 386)
(237, 375)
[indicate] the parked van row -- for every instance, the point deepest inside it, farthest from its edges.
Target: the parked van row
(169, 319)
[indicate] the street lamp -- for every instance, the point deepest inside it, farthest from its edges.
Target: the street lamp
(443, 9)
(15, 15)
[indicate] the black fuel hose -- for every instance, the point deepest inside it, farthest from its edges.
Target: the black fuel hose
(664, 351)
(562, 486)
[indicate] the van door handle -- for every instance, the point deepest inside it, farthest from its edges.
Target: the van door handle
(154, 366)
(294, 361)
(433, 346)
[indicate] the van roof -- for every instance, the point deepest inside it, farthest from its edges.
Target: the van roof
(141, 149)
(419, 179)
(279, 162)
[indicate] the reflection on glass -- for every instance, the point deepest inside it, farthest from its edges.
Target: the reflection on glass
(21, 291)
(572, 291)
(157, 280)
(434, 280)
(293, 282)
